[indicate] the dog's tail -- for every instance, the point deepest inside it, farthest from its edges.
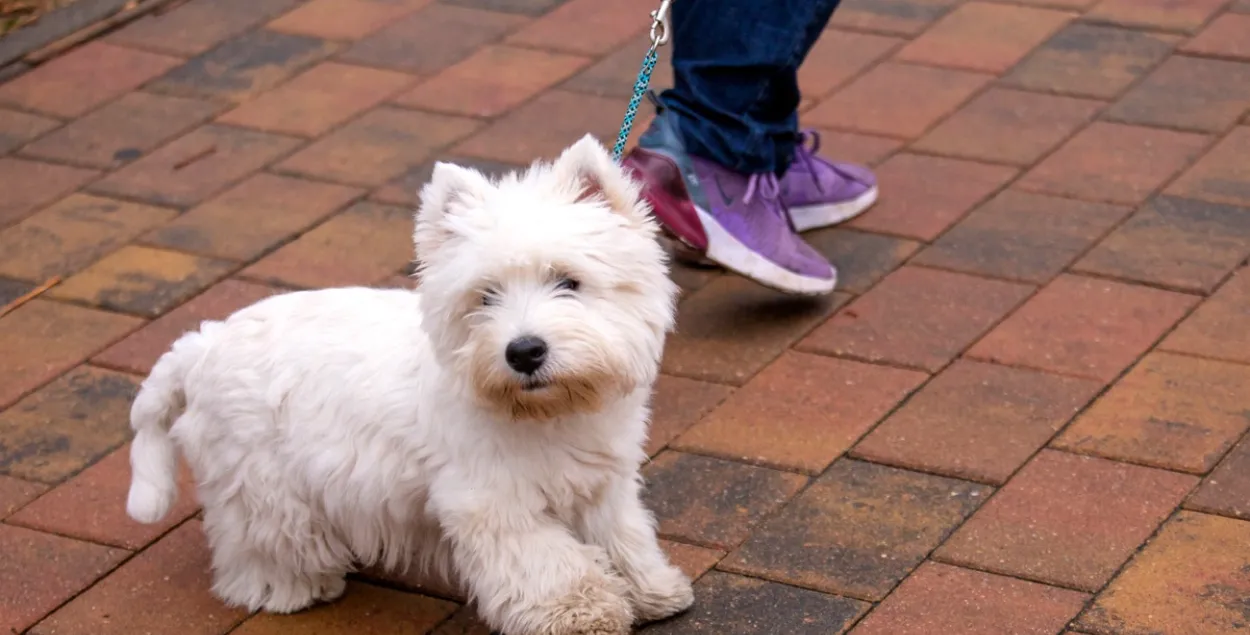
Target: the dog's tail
(153, 457)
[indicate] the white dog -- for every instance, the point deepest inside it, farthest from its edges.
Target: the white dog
(488, 427)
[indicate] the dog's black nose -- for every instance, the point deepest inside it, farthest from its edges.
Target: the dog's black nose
(526, 354)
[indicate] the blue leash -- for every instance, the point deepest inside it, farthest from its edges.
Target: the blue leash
(640, 89)
(659, 37)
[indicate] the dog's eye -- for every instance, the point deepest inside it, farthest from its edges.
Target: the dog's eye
(490, 297)
(568, 284)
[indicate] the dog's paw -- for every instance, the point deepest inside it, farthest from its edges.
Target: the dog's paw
(599, 627)
(330, 588)
(289, 598)
(665, 593)
(595, 609)
(303, 594)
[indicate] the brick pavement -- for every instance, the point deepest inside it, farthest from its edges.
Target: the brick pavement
(1025, 412)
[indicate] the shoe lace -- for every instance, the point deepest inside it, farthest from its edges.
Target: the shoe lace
(806, 155)
(768, 189)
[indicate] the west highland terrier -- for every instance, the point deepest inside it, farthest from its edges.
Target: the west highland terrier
(487, 427)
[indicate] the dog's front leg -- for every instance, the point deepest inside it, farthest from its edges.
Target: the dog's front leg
(620, 524)
(527, 572)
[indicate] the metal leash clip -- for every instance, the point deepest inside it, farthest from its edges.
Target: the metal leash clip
(659, 25)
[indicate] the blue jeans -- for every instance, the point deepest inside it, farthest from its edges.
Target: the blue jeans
(735, 68)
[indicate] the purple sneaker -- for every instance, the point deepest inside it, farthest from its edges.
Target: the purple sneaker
(735, 220)
(820, 193)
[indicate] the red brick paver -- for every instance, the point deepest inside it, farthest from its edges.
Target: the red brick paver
(1067, 520)
(365, 610)
(801, 412)
(1157, 14)
(905, 17)
(28, 185)
(123, 130)
(166, 584)
(897, 100)
(931, 193)
(1192, 579)
(713, 502)
(1084, 327)
(940, 598)
(1022, 236)
(139, 352)
(1220, 176)
(1024, 411)
(1223, 37)
(1091, 60)
(986, 37)
(1173, 411)
(88, 76)
(1115, 163)
(73, 233)
(40, 571)
(92, 507)
(1188, 93)
(858, 530)
(977, 421)
(917, 317)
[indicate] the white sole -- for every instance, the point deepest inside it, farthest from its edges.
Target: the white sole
(732, 254)
(814, 216)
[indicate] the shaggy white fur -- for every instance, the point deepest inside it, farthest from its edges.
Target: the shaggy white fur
(487, 428)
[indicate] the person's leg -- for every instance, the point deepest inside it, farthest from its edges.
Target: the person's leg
(725, 131)
(818, 192)
(735, 69)
(737, 98)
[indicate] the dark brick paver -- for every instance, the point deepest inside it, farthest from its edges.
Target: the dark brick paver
(1024, 412)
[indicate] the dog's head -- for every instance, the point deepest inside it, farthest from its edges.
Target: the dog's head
(547, 290)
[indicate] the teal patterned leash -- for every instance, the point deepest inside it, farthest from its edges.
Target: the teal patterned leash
(659, 37)
(631, 112)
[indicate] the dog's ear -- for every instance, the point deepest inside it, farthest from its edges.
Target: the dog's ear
(588, 164)
(451, 190)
